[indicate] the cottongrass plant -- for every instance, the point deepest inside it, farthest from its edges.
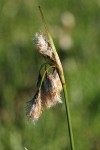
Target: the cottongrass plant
(50, 84)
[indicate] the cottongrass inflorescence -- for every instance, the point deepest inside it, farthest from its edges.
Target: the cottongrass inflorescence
(34, 107)
(43, 46)
(51, 90)
(49, 86)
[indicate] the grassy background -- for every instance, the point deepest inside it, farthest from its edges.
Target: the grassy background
(75, 26)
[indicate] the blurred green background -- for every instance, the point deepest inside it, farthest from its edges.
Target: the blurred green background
(75, 27)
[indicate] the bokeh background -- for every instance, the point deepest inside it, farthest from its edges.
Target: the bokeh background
(75, 27)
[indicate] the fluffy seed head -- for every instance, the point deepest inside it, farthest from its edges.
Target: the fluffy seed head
(43, 46)
(34, 108)
(50, 94)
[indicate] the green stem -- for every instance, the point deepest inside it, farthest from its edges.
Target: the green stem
(44, 76)
(61, 74)
(42, 66)
(68, 117)
(42, 80)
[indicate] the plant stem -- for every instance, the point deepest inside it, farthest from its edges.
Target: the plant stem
(44, 76)
(61, 74)
(68, 117)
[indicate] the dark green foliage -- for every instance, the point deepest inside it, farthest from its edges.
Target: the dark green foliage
(19, 65)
